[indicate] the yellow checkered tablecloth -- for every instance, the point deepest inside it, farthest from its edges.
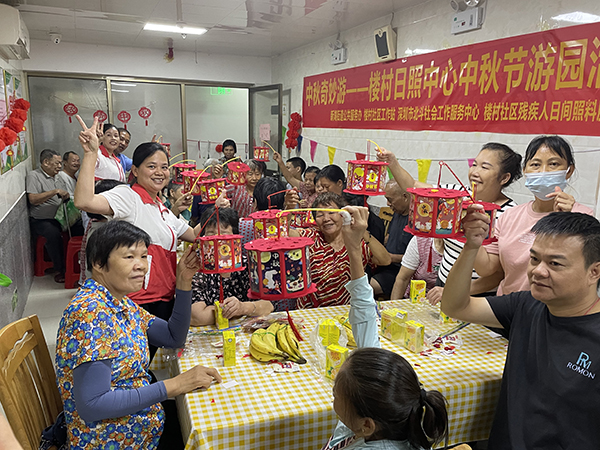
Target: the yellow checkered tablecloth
(295, 411)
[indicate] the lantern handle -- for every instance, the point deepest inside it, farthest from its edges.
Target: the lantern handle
(265, 142)
(175, 156)
(216, 211)
(182, 161)
(376, 145)
(345, 214)
(442, 163)
(275, 193)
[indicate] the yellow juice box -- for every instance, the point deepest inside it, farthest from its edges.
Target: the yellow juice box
(417, 290)
(335, 357)
(220, 321)
(392, 324)
(329, 332)
(415, 334)
(444, 318)
(228, 348)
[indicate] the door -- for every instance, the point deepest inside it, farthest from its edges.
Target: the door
(265, 121)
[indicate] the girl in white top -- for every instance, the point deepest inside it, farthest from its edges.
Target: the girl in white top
(108, 166)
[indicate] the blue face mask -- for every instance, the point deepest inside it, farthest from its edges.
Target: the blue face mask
(543, 183)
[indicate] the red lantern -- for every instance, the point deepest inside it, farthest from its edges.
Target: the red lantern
(435, 212)
(366, 177)
(101, 115)
(179, 168)
(145, 113)
(301, 219)
(191, 181)
(70, 110)
(237, 172)
(489, 209)
(221, 253)
(279, 268)
(211, 189)
(167, 148)
(271, 224)
(261, 154)
(124, 117)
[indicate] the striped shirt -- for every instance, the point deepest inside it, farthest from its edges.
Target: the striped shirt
(452, 247)
(329, 271)
(241, 200)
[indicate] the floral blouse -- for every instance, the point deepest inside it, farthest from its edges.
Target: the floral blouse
(96, 326)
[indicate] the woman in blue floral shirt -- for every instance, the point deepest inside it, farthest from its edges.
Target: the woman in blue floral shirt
(102, 353)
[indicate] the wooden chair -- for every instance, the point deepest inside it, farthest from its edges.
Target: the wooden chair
(28, 390)
(386, 214)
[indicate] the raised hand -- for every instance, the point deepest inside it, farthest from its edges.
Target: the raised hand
(88, 137)
(354, 232)
(476, 225)
(292, 199)
(223, 201)
(182, 203)
(562, 200)
(277, 157)
(217, 171)
(187, 267)
(386, 156)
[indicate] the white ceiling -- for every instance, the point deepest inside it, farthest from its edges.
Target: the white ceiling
(235, 27)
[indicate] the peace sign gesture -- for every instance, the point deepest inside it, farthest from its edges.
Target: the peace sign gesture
(88, 137)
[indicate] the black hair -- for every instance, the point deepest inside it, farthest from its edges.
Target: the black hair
(265, 187)
(107, 126)
(172, 186)
(145, 151)
(47, 153)
(510, 161)
(381, 385)
(103, 186)
(582, 226)
(66, 155)
(312, 169)
(108, 237)
(227, 216)
(230, 143)
(121, 129)
(555, 143)
(296, 161)
(333, 173)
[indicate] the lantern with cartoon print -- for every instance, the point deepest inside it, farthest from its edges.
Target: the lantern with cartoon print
(489, 209)
(279, 268)
(237, 173)
(271, 224)
(191, 179)
(366, 177)
(261, 154)
(220, 253)
(179, 168)
(211, 189)
(435, 212)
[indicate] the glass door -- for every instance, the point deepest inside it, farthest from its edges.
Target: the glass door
(265, 104)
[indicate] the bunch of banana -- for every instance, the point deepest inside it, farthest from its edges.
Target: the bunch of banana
(275, 343)
(287, 342)
(343, 320)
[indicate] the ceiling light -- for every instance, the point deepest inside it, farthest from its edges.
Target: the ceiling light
(174, 29)
(118, 83)
(417, 51)
(117, 90)
(578, 17)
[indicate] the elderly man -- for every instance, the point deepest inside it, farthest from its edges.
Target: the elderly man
(45, 196)
(66, 177)
(549, 397)
(396, 240)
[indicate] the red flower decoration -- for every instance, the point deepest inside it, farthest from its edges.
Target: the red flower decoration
(8, 136)
(124, 117)
(219, 148)
(2, 145)
(70, 110)
(101, 115)
(22, 104)
(19, 114)
(14, 124)
(145, 113)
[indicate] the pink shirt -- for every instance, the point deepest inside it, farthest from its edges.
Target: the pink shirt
(513, 230)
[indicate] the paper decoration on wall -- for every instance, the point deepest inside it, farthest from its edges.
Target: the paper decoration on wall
(101, 115)
(423, 169)
(145, 113)
(299, 149)
(313, 150)
(124, 117)
(70, 110)
(471, 161)
(331, 151)
(264, 131)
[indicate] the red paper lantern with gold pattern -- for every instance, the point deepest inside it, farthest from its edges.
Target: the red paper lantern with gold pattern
(191, 181)
(179, 168)
(211, 189)
(435, 212)
(489, 209)
(366, 177)
(271, 224)
(261, 154)
(237, 172)
(220, 253)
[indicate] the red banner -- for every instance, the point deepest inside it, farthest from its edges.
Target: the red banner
(545, 82)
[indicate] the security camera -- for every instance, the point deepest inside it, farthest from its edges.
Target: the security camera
(55, 37)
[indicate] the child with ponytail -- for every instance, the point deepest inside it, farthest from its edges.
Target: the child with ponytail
(377, 394)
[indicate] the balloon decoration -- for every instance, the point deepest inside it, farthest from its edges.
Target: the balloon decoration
(101, 115)
(70, 110)
(124, 117)
(145, 113)
(14, 125)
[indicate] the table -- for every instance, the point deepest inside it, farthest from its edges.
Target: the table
(295, 410)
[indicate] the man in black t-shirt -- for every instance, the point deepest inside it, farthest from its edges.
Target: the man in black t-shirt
(549, 398)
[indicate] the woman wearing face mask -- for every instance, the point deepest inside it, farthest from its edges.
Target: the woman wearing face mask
(548, 164)
(108, 165)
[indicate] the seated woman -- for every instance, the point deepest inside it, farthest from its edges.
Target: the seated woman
(328, 257)
(205, 286)
(241, 196)
(178, 202)
(102, 355)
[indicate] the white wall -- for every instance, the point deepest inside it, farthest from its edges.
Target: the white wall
(145, 62)
(428, 27)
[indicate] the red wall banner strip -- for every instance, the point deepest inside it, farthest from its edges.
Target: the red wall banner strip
(546, 82)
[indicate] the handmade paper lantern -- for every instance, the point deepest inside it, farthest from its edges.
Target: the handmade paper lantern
(237, 172)
(366, 177)
(220, 253)
(167, 148)
(271, 224)
(179, 168)
(261, 154)
(489, 209)
(210, 189)
(191, 181)
(279, 268)
(301, 219)
(435, 212)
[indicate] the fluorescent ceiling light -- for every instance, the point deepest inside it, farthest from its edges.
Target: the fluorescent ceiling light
(117, 90)
(118, 83)
(174, 28)
(417, 51)
(578, 17)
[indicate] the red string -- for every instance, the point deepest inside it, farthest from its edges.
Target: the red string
(442, 163)
(275, 193)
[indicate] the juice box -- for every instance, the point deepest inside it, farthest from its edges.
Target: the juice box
(329, 332)
(220, 321)
(228, 348)
(414, 338)
(418, 290)
(392, 324)
(444, 318)
(335, 357)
